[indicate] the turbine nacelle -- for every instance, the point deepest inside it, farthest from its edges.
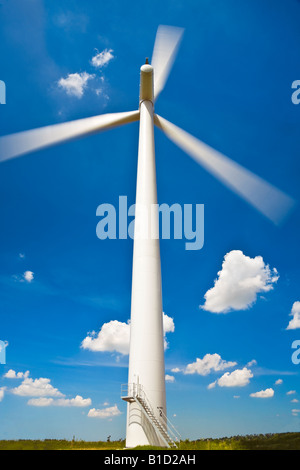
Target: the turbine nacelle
(146, 83)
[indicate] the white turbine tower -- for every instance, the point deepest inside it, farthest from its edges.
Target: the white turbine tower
(145, 392)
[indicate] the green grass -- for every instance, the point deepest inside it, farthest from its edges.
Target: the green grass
(284, 441)
(54, 444)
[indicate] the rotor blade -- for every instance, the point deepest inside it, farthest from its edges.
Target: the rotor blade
(269, 200)
(166, 44)
(21, 143)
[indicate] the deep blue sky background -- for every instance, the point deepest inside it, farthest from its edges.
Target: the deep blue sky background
(231, 87)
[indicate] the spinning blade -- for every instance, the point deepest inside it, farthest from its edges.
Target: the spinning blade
(272, 202)
(14, 145)
(165, 48)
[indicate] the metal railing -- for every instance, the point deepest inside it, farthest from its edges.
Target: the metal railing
(136, 392)
(171, 428)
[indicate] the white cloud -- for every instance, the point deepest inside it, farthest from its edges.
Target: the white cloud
(212, 385)
(11, 374)
(115, 336)
(168, 324)
(295, 400)
(28, 276)
(78, 401)
(252, 363)
(2, 389)
(42, 401)
(170, 378)
(295, 313)
(268, 393)
(104, 413)
(175, 370)
(168, 327)
(237, 378)
(102, 58)
(45, 393)
(239, 281)
(279, 382)
(36, 388)
(291, 392)
(75, 83)
(295, 412)
(209, 363)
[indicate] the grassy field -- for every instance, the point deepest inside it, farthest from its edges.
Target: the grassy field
(284, 441)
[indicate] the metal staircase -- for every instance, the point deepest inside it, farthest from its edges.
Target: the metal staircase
(163, 428)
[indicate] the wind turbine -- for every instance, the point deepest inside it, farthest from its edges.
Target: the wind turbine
(145, 392)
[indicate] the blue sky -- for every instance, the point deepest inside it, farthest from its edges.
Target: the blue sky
(231, 87)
